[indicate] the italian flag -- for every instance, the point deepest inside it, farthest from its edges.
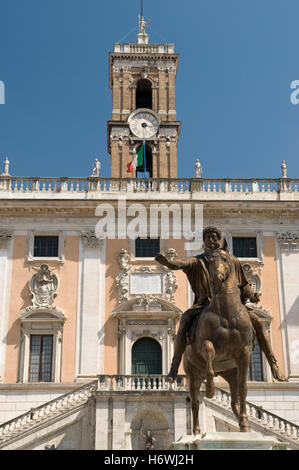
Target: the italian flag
(137, 161)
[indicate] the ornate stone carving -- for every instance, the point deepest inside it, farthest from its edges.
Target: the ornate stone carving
(168, 280)
(90, 240)
(122, 279)
(147, 333)
(171, 285)
(171, 254)
(43, 287)
(5, 237)
(252, 277)
(288, 240)
(264, 314)
(146, 301)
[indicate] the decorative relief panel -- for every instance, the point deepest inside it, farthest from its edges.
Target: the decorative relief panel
(144, 280)
(43, 287)
(90, 240)
(288, 240)
(5, 237)
(253, 278)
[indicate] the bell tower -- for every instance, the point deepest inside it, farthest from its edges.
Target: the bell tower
(142, 79)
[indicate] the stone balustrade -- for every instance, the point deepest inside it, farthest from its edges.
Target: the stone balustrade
(181, 188)
(262, 417)
(50, 409)
(144, 383)
(144, 48)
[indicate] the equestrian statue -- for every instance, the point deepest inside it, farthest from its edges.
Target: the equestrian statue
(220, 328)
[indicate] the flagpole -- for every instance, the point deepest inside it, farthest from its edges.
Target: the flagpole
(144, 158)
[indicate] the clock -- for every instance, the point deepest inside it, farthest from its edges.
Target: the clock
(144, 123)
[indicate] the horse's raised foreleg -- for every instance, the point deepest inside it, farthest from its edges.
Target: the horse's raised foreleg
(231, 376)
(208, 352)
(243, 361)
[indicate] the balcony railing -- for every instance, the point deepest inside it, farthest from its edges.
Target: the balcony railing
(135, 383)
(186, 188)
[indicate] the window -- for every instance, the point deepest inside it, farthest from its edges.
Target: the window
(147, 247)
(245, 247)
(45, 247)
(256, 365)
(41, 354)
(40, 358)
(146, 357)
(144, 97)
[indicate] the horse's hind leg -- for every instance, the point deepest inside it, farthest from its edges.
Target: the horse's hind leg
(195, 384)
(208, 352)
(231, 376)
(243, 363)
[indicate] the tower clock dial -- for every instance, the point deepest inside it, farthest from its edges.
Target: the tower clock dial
(143, 124)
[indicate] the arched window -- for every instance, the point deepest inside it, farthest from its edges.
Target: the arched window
(144, 98)
(146, 357)
(146, 168)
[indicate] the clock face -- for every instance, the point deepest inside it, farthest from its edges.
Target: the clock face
(144, 125)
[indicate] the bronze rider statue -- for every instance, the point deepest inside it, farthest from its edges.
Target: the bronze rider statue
(194, 268)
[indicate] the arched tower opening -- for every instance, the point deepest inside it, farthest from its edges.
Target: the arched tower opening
(144, 95)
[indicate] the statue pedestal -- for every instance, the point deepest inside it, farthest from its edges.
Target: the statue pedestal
(229, 441)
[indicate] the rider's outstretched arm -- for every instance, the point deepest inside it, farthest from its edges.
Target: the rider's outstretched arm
(174, 264)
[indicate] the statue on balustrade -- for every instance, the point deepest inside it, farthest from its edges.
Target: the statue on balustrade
(219, 328)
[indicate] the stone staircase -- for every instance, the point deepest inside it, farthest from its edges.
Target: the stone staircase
(35, 417)
(261, 420)
(42, 417)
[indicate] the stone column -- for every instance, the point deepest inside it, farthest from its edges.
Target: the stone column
(288, 268)
(125, 159)
(6, 252)
(115, 158)
(171, 88)
(162, 94)
(102, 424)
(126, 96)
(119, 416)
(180, 417)
(116, 95)
(92, 312)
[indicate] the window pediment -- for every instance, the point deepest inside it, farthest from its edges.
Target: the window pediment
(146, 304)
(42, 315)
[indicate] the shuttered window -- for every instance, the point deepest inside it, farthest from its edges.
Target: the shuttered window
(46, 247)
(41, 356)
(244, 247)
(147, 247)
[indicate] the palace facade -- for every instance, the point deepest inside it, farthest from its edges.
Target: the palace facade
(87, 323)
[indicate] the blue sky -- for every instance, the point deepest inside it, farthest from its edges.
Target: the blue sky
(237, 61)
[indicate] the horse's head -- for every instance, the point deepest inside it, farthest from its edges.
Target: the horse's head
(220, 268)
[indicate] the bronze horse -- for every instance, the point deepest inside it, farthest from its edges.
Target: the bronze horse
(222, 341)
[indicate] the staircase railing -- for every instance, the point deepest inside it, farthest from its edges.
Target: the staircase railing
(117, 383)
(46, 411)
(268, 420)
